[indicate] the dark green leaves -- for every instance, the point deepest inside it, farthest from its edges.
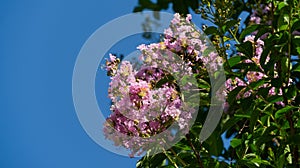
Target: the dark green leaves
(211, 30)
(164, 80)
(246, 48)
(233, 94)
(296, 26)
(151, 161)
(296, 68)
(229, 24)
(235, 142)
(235, 60)
(248, 31)
(283, 111)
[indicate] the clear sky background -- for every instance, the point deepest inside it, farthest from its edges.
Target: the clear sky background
(39, 43)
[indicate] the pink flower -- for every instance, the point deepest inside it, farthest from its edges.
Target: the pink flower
(112, 57)
(176, 19)
(188, 18)
(253, 76)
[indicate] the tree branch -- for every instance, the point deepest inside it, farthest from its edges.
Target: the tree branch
(195, 151)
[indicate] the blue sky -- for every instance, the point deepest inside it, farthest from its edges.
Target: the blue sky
(40, 40)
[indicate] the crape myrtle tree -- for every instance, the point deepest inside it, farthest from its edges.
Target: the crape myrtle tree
(260, 57)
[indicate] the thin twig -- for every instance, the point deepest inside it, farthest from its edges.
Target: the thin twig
(169, 157)
(180, 160)
(234, 37)
(175, 154)
(195, 151)
(288, 116)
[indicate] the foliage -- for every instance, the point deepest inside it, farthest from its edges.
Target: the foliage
(261, 60)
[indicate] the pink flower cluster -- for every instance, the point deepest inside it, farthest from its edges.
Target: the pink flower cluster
(259, 13)
(149, 101)
(184, 39)
(112, 65)
(253, 76)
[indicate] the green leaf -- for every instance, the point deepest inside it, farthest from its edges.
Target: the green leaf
(276, 82)
(196, 129)
(246, 48)
(246, 163)
(167, 166)
(248, 30)
(282, 4)
(295, 139)
(267, 48)
(284, 65)
(232, 95)
(261, 31)
(253, 119)
(215, 143)
(291, 92)
(257, 84)
(230, 123)
(282, 111)
(283, 21)
(274, 99)
(264, 92)
(246, 103)
(207, 51)
(256, 161)
(157, 160)
(296, 25)
(235, 60)
(266, 137)
(164, 4)
(211, 30)
(246, 67)
(187, 156)
(296, 41)
(138, 9)
(203, 84)
(250, 155)
(183, 146)
(296, 68)
(166, 79)
(298, 50)
(228, 25)
(194, 4)
(235, 142)
(242, 115)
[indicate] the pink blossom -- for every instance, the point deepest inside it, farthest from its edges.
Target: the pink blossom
(176, 19)
(188, 18)
(141, 106)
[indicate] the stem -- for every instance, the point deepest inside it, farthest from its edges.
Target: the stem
(180, 160)
(289, 49)
(195, 151)
(244, 126)
(290, 120)
(231, 158)
(175, 154)
(169, 157)
(234, 37)
(295, 147)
